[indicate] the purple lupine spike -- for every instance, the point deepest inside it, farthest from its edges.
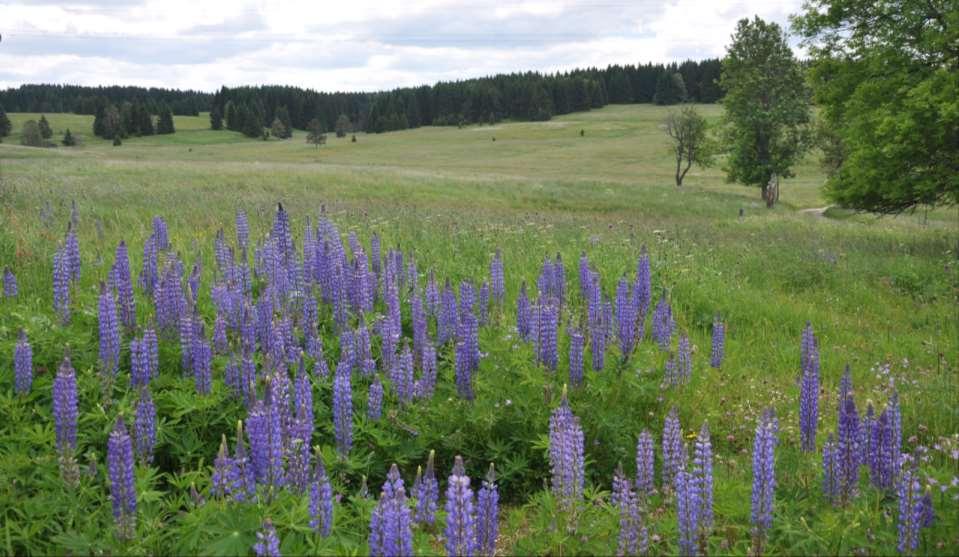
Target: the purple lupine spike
(374, 400)
(487, 515)
(65, 407)
(645, 465)
(303, 400)
(376, 254)
(719, 343)
(684, 359)
(831, 470)
(109, 335)
(663, 323)
(547, 325)
(911, 511)
(242, 480)
(160, 233)
(633, 537)
(149, 272)
(809, 391)
(402, 376)
(426, 490)
(145, 427)
(427, 382)
(10, 288)
(497, 278)
(202, 365)
(464, 375)
(576, 342)
(391, 531)
(420, 330)
(248, 379)
(187, 331)
(267, 542)
(321, 499)
(894, 450)
(927, 514)
(883, 460)
(625, 318)
(845, 385)
(242, 230)
(674, 450)
(848, 444)
(566, 454)
(151, 347)
(559, 280)
(124, 286)
(764, 476)
(72, 252)
(642, 289)
(671, 371)
(703, 477)
(220, 342)
(460, 522)
(432, 295)
(61, 286)
(688, 505)
(22, 365)
(232, 377)
(447, 319)
(222, 466)
(258, 430)
(122, 480)
(523, 311)
(276, 412)
(343, 408)
(483, 304)
(139, 364)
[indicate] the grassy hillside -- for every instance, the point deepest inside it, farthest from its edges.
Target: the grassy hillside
(879, 292)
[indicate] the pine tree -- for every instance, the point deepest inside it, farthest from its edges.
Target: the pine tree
(283, 115)
(315, 133)
(68, 139)
(216, 119)
(343, 125)
(116, 141)
(5, 125)
(165, 121)
(278, 129)
(45, 131)
(670, 88)
(30, 136)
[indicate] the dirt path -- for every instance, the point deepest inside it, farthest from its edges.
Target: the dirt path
(817, 211)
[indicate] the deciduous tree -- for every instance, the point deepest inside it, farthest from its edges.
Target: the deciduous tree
(689, 140)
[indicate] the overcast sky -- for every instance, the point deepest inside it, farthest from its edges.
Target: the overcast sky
(338, 45)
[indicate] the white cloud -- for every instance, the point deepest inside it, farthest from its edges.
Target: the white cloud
(356, 45)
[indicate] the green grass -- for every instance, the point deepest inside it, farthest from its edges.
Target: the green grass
(879, 292)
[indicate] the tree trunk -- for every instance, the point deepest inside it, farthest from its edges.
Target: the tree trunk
(679, 177)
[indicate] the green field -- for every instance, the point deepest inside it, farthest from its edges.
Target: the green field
(880, 293)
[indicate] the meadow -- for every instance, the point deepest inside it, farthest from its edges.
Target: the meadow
(880, 294)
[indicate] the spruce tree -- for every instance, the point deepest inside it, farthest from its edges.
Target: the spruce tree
(216, 119)
(284, 117)
(68, 139)
(343, 125)
(5, 125)
(278, 129)
(45, 131)
(165, 121)
(670, 88)
(315, 133)
(31, 136)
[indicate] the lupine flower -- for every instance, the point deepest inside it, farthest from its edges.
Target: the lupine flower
(719, 343)
(321, 499)
(684, 359)
(849, 457)
(145, 427)
(242, 230)
(109, 335)
(523, 310)
(463, 372)
(674, 450)
(633, 536)
(220, 342)
(10, 289)
(663, 323)
(688, 505)
(460, 522)
(645, 465)
(447, 317)
(566, 454)
(374, 400)
(483, 302)
(576, 342)
(267, 542)
(160, 233)
(242, 477)
(402, 376)
(910, 511)
(420, 330)
(894, 450)
(546, 339)
(61, 286)
(202, 365)
(124, 286)
(496, 277)
(426, 490)
(22, 364)
(671, 371)
(65, 407)
(139, 364)
(467, 299)
(222, 466)
(343, 409)
(597, 341)
(702, 475)
(427, 381)
(122, 480)
(258, 430)
(927, 513)
(764, 475)
(376, 254)
(487, 515)
(626, 317)
(391, 531)
(151, 346)
(831, 470)
(809, 391)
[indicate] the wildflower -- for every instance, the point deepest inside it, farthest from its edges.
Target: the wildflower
(144, 426)
(22, 364)
(374, 401)
(645, 465)
(343, 409)
(391, 532)
(487, 515)
(426, 492)
(460, 522)
(122, 480)
(321, 499)
(267, 542)
(566, 454)
(576, 342)
(674, 450)
(719, 343)
(764, 476)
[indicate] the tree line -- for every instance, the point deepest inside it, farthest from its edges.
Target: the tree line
(80, 99)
